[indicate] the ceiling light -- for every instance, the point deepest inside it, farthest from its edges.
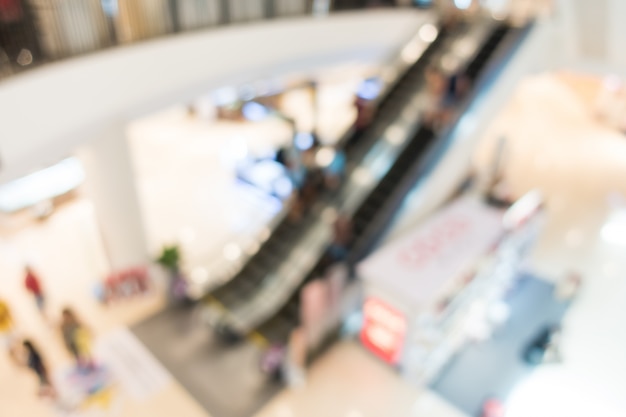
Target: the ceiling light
(324, 157)
(462, 4)
(428, 33)
(614, 230)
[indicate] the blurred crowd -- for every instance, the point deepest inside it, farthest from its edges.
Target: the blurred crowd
(24, 352)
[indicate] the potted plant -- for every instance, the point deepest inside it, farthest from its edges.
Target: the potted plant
(170, 260)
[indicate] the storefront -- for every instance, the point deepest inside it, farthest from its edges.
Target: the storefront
(443, 285)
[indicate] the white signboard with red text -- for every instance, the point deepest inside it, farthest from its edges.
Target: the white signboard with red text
(410, 274)
(418, 266)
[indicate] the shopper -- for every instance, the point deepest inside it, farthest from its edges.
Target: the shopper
(35, 362)
(7, 334)
(6, 318)
(365, 111)
(342, 237)
(335, 172)
(433, 100)
(77, 339)
(33, 286)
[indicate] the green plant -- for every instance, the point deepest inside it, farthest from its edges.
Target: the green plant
(170, 257)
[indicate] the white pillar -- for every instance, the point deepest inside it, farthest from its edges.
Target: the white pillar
(592, 18)
(110, 184)
(616, 37)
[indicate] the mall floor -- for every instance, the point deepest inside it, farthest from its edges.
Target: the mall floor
(553, 141)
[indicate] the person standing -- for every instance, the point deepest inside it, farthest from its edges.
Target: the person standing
(33, 286)
(34, 361)
(342, 237)
(6, 324)
(77, 339)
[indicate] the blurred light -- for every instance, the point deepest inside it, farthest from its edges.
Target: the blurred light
(465, 47)
(25, 57)
(614, 230)
(395, 135)
(499, 312)
(411, 52)
(41, 185)
(283, 187)
(552, 390)
(325, 156)
(450, 63)
(428, 33)
(232, 251)
(354, 413)
(304, 140)
(362, 176)
(522, 209)
(239, 148)
(255, 112)
(462, 4)
(200, 275)
(224, 96)
(369, 89)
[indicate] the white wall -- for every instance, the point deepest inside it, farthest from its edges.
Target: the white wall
(45, 113)
(616, 48)
(598, 32)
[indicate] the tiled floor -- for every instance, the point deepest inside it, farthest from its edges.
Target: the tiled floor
(348, 381)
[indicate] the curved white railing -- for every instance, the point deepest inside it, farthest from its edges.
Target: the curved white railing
(50, 110)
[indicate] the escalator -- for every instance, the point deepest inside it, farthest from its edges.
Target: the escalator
(259, 267)
(379, 207)
(473, 70)
(392, 104)
(277, 329)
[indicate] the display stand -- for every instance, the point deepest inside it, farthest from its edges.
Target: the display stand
(443, 286)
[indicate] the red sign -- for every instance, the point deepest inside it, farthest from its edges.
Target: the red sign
(384, 329)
